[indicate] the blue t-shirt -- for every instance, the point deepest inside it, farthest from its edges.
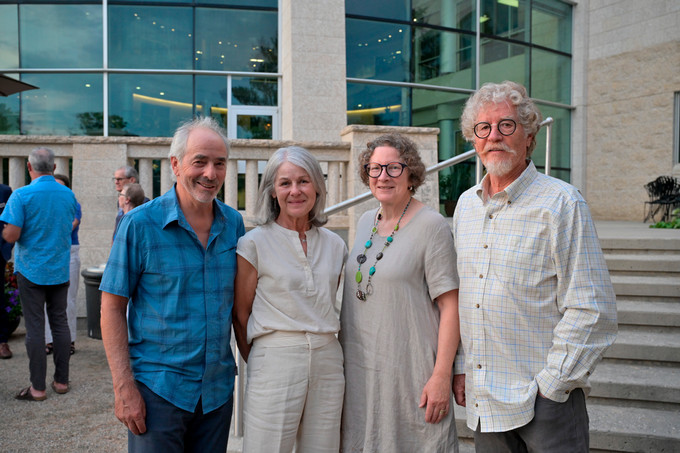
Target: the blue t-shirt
(74, 233)
(44, 210)
(180, 300)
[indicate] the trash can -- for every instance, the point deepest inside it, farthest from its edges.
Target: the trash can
(92, 276)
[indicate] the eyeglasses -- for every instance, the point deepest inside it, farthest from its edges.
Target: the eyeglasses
(505, 127)
(118, 179)
(393, 169)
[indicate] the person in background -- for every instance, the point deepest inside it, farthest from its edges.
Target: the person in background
(289, 270)
(5, 255)
(537, 308)
(131, 196)
(74, 278)
(399, 313)
(173, 264)
(39, 219)
(124, 175)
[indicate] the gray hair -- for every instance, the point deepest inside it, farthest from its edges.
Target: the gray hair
(130, 172)
(42, 160)
(178, 147)
(495, 93)
(135, 193)
(268, 208)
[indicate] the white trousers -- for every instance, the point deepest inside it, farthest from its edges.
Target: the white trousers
(294, 394)
(71, 298)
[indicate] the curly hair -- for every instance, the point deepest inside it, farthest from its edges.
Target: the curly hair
(408, 152)
(494, 93)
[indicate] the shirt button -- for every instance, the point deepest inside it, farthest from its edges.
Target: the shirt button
(479, 366)
(509, 202)
(491, 216)
(477, 305)
(566, 392)
(476, 405)
(481, 276)
(486, 246)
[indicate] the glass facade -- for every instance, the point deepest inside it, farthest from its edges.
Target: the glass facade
(396, 47)
(140, 68)
(157, 64)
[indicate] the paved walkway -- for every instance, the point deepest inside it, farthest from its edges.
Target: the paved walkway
(83, 419)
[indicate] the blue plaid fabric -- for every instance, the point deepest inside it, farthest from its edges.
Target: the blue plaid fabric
(181, 299)
(537, 308)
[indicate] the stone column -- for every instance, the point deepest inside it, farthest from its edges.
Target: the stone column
(312, 61)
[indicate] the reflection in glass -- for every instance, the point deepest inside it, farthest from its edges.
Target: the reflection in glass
(65, 104)
(501, 61)
(550, 76)
(211, 96)
(452, 14)
(385, 9)
(551, 24)
(254, 91)
(378, 105)
(439, 53)
(247, 3)
(9, 36)
(377, 50)
(149, 105)
(9, 115)
(254, 126)
(45, 44)
(236, 40)
(506, 19)
(148, 37)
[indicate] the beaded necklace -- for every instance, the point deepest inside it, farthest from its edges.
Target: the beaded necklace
(361, 258)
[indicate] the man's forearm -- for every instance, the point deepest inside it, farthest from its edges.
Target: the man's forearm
(115, 338)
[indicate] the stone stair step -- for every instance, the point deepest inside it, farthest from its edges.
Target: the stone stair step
(643, 263)
(648, 313)
(618, 428)
(646, 343)
(633, 429)
(634, 285)
(636, 381)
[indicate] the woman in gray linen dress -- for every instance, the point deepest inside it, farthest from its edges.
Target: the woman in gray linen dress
(399, 318)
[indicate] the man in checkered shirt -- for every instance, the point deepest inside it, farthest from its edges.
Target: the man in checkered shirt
(537, 308)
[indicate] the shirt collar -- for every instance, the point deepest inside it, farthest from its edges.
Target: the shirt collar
(515, 189)
(43, 178)
(172, 212)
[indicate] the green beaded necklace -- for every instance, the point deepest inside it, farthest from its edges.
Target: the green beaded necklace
(361, 258)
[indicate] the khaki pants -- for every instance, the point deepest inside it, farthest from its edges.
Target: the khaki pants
(294, 393)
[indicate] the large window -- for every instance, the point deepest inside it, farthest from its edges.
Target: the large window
(167, 60)
(403, 44)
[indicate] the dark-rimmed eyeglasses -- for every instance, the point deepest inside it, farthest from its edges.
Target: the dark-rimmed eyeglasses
(505, 127)
(118, 179)
(393, 169)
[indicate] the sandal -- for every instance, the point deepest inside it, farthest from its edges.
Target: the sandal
(58, 390)
(73, 347)
(26, 395)
(49, 348)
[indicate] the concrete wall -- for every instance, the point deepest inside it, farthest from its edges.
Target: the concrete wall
(633, 72)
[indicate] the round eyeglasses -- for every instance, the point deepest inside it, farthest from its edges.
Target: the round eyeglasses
(393, 169)
(505, 127)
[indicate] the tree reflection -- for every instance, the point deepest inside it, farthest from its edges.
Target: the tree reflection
(92, 123)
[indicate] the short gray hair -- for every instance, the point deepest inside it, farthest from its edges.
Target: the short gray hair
(42, 160)
(130, 172)
(178, 147)
(494, 93)
(268, 207)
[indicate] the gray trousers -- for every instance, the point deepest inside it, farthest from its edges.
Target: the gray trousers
(555, 428)
(34, 299)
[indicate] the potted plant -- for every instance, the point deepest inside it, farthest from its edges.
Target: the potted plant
(12, 300)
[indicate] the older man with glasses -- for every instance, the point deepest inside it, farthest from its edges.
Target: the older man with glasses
(537, 308)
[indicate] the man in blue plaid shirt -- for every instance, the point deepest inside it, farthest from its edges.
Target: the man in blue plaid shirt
(173, 263)
(537, 308)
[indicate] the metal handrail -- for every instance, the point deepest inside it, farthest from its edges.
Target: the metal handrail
(350, 202)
